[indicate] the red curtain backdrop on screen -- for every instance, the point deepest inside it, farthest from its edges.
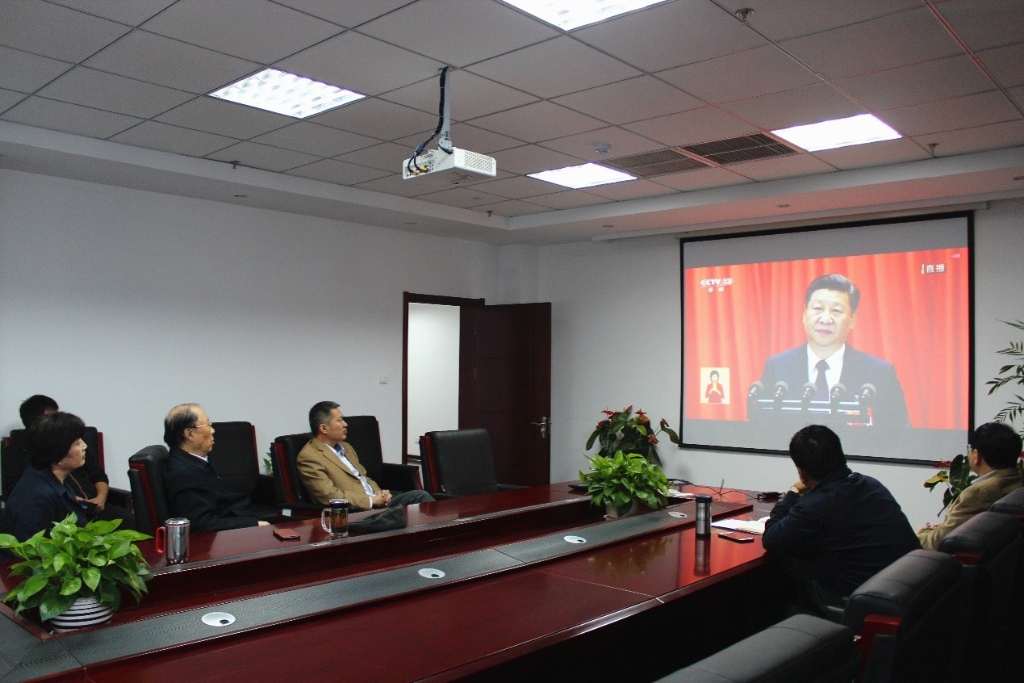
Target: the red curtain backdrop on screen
(913, 312)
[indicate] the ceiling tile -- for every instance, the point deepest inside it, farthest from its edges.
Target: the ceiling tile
(555, 67)
(378, 119)
(338, 172)
(9, 98)
(986, 24)
(262, 156)
(511, 207)
(110, 92)
(469, 95)
(781, 20)
(54, 31)
(1017, 95)
(692, 127)
(353, 61)
(537, 122)
(156, 59)
(741, 75)
(167, 138)
(479, 140)
(701, 179)
(386, 156)
(784, 167)
(926, 82)
(465, 197)
(532, 159)
(569, 199)
(478, 30)
(519, 187)
(396, 185)
(894, 41)
(630, 100)
(224, 118)
(25, 72)
(795, 107)
(132, 13)
(980, 138)
(68, 118)
(256, 30)
(630, 189)
(670, 35)
(1005, 64)
(349, 13)
(311, 138)
(620, 143)
(936, 117)
(875, 154)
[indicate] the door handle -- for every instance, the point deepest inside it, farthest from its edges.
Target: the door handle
(544, 425)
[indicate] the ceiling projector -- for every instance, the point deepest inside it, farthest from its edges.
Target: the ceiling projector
(437, 160)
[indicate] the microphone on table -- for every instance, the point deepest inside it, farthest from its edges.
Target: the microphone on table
(780, 390)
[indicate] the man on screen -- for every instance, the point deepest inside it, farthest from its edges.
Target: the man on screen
(827, 361)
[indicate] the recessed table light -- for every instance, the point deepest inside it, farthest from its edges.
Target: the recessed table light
(570, 14)
(285, 93)
(585, 175)
(855, 130)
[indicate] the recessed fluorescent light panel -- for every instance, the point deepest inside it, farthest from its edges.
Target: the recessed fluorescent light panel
(586, 175)
(856, 130)
(285, 93)
(570, 14)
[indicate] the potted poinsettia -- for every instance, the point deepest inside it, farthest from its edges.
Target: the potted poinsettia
(629, 432)
(77, 570)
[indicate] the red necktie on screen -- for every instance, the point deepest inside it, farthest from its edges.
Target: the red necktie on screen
(821, 384)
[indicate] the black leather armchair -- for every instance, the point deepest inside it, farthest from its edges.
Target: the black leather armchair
(802, 648)
(292, 497)
(146, 475)
(459, 462)
(235, 458)
(364, 435)
(907, 617)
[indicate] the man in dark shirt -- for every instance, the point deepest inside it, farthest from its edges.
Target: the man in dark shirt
(193, 488)
(841, 526)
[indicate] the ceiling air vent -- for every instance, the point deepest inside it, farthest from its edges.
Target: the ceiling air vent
(650, 164)
(737, 150)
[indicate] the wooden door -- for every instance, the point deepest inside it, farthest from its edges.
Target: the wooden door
(505, 386)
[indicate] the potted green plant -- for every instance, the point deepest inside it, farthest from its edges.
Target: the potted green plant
(89, 564)
(619, 481)
(956, 477)
(622, 430)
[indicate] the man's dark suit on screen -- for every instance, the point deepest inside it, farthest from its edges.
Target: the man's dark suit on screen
(859, 368)
(195, 492)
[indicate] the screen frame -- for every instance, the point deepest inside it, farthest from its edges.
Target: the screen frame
(767, 234)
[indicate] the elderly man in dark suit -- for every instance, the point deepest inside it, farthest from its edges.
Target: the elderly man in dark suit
(830, 312)
(193, 489)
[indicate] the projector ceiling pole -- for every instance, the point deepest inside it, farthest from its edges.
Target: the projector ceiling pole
(444, 143)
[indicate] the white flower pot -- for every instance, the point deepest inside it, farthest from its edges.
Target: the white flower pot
(85, 611)
(612, 512)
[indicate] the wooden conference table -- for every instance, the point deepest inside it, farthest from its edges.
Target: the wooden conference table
(519, 585)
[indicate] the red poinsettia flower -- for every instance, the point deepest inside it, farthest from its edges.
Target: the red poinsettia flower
(652, 438)
(609, 413)
(943, 464)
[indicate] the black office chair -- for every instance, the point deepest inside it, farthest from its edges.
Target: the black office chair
(459, 463)
(146, 476)
(235, 458)
(292, 497)
(988, 545)
(364, 437)
(1011, 504)
(802, 648)
(907, 616)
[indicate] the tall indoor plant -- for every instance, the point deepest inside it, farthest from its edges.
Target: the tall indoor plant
(96, 561)
(622, 430)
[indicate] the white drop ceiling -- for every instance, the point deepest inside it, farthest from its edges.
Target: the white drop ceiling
(116, 93)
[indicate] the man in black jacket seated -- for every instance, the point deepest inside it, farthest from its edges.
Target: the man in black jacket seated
(842, 527)
(193, 489)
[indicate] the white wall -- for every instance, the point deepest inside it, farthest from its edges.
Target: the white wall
(616, 341)
(121, 304)
(433, 389)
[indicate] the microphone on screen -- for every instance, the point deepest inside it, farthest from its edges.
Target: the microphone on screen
(807, 393)
(780, 390)
(837, 393)
(867, 393)
(755, 390)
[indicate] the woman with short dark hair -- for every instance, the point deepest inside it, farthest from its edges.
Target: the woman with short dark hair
(45, 494)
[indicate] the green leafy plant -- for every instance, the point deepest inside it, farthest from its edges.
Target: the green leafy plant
(618, 480)
(268, 461)
(621, 430)
(956, 477)
(94, 560)
(1013, 372)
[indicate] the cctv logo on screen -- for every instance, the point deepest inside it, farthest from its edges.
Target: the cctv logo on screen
(716, 283)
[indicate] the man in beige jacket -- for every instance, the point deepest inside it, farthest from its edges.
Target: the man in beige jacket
(992, 454)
